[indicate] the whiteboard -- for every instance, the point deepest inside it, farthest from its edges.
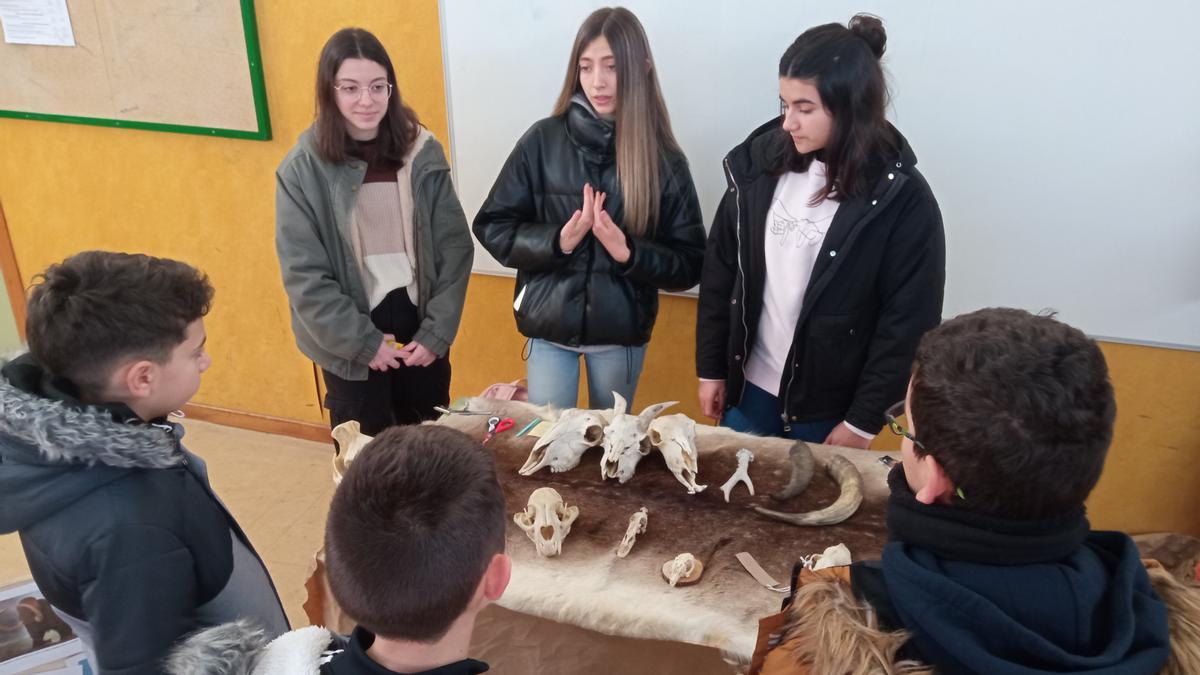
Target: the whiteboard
(1061, 139)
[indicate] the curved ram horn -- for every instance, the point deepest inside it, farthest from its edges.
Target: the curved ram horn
(842, 471)
(802, 471)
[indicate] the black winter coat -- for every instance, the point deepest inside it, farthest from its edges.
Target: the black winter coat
(118, 522)
(875, 289)
(586, 297)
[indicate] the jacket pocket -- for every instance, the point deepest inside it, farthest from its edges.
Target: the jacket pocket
(836, 353)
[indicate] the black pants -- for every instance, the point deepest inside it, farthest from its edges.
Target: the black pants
(405, 395)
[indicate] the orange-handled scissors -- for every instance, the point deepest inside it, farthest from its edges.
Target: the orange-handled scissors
(497, 425)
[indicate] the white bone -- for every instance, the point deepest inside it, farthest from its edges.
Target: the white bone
(350, 442)
(574, 433)
(742, 475)
(675, 437)
(681, 567)
(637, 525)
(625, 442)
(546, 520)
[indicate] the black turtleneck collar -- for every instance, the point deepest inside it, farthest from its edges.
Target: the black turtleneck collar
(592, 134)
(957, 533)
(26, 374)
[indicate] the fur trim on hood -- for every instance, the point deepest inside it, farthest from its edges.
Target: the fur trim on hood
(39, 430)
(239, 648)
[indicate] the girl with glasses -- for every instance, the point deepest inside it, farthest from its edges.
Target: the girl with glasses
(826, 260)
(372, 242)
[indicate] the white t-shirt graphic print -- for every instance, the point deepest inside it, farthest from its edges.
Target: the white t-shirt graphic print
(794, 234)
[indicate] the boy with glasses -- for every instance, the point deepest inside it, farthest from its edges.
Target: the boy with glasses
(991, 565)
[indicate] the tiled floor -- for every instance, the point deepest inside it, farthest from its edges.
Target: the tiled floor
(278, 488)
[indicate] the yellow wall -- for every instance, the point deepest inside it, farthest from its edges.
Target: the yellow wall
(210, 202)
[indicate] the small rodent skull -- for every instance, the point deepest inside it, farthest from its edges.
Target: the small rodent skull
(681, 567)
(637, 525)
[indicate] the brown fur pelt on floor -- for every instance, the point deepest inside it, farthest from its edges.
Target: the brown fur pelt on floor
(589, 586)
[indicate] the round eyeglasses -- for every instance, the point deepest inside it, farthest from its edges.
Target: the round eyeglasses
(379, 91)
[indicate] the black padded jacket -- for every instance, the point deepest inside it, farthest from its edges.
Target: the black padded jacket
(875, 289)
(586, 297)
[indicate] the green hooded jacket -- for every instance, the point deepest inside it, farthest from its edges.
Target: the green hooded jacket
(314, 202)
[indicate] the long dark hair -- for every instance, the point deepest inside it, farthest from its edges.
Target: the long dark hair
(843, 61)
(643, 127)
(399, 127)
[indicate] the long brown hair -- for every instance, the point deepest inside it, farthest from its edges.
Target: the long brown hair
(643, 126)
(399, 127)
(844, 62)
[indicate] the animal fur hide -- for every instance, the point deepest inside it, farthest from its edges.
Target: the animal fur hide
(589, 586)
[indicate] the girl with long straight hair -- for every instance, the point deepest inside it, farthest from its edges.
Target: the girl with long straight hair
(596, 210)
(372, 242)
(826, 260)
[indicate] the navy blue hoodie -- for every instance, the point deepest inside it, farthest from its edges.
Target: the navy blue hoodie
(982, 594)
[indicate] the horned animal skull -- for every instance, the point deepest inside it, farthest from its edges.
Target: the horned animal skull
(675, 437)
(637, 525)
(625, 439)
(574, 433)
(681, 567)
(546, 520)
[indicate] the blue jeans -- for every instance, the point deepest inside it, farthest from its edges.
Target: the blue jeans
(553, 374)
(759, 413)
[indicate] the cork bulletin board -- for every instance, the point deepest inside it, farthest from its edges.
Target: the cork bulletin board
(187, 66)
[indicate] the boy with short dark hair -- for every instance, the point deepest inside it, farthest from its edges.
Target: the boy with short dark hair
(119, 524)
(991, 566)
(414, 550)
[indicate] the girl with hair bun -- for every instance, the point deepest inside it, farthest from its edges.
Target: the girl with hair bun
(826, 259)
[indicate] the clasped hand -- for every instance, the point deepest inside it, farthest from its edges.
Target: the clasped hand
(593, 218)
(389, 356)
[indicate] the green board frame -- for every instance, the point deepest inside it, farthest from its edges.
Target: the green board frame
(257, 85)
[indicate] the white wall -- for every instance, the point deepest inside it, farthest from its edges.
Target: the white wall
(1061, 139)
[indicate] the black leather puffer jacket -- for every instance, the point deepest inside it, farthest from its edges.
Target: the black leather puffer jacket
(586, 297)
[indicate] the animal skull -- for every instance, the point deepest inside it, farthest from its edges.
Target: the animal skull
(741, 475)
(574, 433)
(350, 441)
(625, 439)
(546, 520)
(637, 525)
(675, 437)
(683, 566)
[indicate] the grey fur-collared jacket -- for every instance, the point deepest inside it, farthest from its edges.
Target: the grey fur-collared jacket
(121, 529)
(331, 317)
